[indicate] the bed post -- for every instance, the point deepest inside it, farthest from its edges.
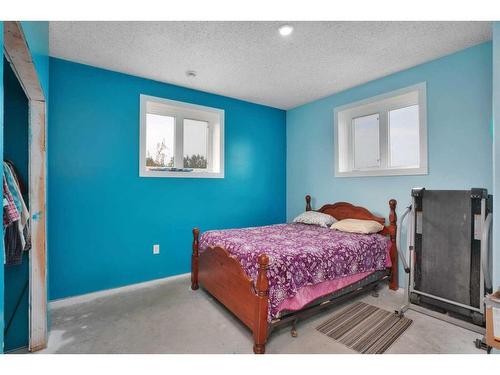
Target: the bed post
(260, 323)
(308, 203)
(394, 251)
(194, 260)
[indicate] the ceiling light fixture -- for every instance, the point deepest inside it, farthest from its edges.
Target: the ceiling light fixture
(191, 73)
(286, 30)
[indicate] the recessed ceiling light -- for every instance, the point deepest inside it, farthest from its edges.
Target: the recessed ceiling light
(191, 73)
(286, 30)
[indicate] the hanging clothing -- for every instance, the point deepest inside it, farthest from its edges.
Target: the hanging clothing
(14, 185)
(17, 234)
(10, 212)
(15, 174)
(13, 245)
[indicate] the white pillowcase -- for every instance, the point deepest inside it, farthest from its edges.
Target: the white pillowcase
(358, 226)
(315, 218)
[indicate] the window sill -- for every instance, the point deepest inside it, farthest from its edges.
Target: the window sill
(179, 174)
(384, 172)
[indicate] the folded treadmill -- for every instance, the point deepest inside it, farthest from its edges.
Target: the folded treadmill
(448, 252)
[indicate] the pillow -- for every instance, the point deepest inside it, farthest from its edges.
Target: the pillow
(358, 226)
(315, 218)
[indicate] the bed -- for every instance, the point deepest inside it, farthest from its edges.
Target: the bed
(273, 275)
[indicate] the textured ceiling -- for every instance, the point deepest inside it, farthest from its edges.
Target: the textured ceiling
(251, 61)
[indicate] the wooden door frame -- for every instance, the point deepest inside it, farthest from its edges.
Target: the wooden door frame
(19, 56)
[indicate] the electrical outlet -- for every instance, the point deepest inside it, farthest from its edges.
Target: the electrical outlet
(156, 249)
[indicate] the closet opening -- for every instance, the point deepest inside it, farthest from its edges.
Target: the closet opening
(17, 236)
(24, 196)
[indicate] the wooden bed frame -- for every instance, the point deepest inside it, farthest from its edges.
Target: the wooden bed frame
(224, 278)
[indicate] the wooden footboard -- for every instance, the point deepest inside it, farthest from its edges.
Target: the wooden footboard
(223, 277)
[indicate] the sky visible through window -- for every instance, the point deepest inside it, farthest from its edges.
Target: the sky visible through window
(195, 138)
(160, 133)
(366, 141)
(404, 137)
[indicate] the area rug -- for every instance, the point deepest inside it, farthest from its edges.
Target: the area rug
(365, 328)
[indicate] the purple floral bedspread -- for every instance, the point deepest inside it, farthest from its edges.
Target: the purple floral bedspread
(300, 255)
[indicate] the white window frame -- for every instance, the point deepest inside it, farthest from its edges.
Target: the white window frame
(180, 111)
(381, 104)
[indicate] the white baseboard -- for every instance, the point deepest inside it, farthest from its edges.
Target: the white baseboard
(63, 302)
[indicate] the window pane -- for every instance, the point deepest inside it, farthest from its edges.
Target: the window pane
(160, 132)
(195, 144)
(404, 137)
(366, 141)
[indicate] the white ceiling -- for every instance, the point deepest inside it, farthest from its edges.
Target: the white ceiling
(251, 61)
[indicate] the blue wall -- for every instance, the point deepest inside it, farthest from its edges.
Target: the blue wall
(496, 153)
(459, 93)
(16, 124)
(104, 218)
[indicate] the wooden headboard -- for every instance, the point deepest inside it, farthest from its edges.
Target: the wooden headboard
(344, 210)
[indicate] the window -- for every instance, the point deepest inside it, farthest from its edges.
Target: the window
(180, 139)
(382, 136)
